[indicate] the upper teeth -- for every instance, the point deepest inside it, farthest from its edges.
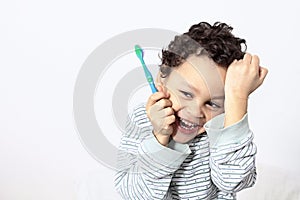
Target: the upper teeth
(189, 124)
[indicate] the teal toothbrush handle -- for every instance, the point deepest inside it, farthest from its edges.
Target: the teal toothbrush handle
(139, 53)
(149, 77)
(153, 88)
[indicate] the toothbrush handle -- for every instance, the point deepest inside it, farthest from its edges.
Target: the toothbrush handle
(153, 88)
(150, 82)
(148, 76)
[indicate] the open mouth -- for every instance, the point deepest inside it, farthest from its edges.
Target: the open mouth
(186, 126)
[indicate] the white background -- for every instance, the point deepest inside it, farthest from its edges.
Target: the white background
(43, 45)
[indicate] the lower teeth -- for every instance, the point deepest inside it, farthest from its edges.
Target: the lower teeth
(186, 127)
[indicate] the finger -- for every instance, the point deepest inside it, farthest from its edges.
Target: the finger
(154, 98)
(170, 120)
(159, 88)
(168, 111)
(255, 60)
(163, 103)
(255, 63)
(247, 57)
(262, 73)
(165, 90)
(234, 61)
(165, 131)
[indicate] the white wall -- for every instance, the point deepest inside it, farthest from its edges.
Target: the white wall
(44, 43)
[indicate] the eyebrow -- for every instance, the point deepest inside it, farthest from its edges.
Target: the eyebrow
(196, 90)
(185, 83)
(188, 85)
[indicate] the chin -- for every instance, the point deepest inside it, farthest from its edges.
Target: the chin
(184, 138)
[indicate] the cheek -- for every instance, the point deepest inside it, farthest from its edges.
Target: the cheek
(176, 105)
(209, 114)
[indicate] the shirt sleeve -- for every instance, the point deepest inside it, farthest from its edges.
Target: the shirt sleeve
(232, 154)
(145, 167)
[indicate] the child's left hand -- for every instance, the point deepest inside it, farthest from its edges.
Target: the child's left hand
(244, 76)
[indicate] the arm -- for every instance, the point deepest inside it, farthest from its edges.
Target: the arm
(145, 167)
(232, 158)
(232, 148)
(242, 78)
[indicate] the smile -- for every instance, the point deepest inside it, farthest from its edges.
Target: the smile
(187, 125)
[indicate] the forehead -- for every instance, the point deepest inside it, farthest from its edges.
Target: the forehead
(199, 72)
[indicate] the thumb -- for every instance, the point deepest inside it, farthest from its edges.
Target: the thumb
(262, 73)
(159, 88)
(163, 89)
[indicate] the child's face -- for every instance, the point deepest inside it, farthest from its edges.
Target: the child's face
(197, 92)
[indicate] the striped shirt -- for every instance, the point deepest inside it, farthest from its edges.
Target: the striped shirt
(214, 165)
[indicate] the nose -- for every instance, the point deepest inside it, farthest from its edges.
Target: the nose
(196, 108)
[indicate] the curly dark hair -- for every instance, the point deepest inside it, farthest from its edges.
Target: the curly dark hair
(216, 41)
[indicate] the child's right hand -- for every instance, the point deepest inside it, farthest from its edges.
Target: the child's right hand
(161, 114)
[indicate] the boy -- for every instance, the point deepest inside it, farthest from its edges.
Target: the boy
(191, 140)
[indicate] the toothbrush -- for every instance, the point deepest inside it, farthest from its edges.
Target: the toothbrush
(140, 54)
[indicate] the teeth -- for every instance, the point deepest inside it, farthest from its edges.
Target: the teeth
(187, 125)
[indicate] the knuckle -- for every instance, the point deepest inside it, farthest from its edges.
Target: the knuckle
(266, 70)
(171, 119)
(163, 102)
(174, 118)
(166, 127)
(170, 102)
(169, 110)
(248, 54)
(153, 97)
